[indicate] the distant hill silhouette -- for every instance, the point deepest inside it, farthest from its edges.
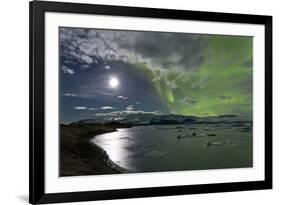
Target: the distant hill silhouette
(148, 118)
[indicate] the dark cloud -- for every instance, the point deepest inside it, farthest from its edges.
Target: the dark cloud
(248, 63)
(158, 50)
(225, 97)
(168, 49)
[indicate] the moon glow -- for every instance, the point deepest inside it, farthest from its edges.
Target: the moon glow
(113, 82)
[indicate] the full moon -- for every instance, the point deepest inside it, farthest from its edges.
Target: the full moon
(113, 82)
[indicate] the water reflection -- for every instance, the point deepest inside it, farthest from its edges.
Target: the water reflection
(158, 148)
(115, 144)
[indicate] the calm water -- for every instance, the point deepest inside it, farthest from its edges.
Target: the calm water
(178, 147)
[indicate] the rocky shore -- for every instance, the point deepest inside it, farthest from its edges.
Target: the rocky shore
(79, 156)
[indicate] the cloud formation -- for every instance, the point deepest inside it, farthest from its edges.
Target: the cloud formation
(80, 108)
(93, 108)
(69, 94)
(130, 107)
(67, 70)
(158, 50)
(107, 108)
(122, 97)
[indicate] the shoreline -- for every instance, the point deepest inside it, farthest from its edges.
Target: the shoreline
(79, 156)
(107, 159)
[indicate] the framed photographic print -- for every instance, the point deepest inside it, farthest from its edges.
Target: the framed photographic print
(140, 102)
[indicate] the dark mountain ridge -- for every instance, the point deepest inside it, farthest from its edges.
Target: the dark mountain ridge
(141, 118)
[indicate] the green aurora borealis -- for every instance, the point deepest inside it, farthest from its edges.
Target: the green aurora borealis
(224, 80)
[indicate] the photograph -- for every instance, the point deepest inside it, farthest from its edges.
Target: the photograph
(135, 101)
(132, 102)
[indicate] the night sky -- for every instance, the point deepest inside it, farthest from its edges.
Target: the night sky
(103, 71)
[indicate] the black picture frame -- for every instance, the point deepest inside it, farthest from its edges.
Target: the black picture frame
(37, 194)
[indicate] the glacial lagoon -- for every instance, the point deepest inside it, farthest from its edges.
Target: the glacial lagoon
(152, 148)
